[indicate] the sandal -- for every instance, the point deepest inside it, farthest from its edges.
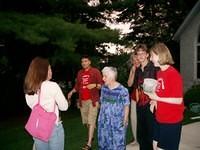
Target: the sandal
(86, 147)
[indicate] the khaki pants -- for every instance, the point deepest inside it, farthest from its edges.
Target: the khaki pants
(34, 146)
(88, 112)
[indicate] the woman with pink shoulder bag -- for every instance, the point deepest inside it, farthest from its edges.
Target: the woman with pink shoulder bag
(37, 82)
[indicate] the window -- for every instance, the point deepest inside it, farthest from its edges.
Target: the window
(199, 38)
(198, 58)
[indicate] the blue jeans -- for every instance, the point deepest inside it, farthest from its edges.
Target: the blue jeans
(56, 142)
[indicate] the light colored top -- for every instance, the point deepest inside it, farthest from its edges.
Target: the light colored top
(51, 93)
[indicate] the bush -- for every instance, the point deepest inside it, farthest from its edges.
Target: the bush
(192, 95)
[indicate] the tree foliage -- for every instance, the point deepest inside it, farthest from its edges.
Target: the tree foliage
(153, 20)
(72, 10)
(53, 30)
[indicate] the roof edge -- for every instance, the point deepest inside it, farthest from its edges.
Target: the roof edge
(187, 20)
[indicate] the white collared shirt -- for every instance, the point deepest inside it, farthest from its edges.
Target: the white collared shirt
(51, 94)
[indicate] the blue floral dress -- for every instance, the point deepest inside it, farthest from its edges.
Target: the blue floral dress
(111, 132)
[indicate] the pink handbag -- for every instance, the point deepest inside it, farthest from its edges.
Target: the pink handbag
(41, 123)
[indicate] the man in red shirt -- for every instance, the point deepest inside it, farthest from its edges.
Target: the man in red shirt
(89, 81)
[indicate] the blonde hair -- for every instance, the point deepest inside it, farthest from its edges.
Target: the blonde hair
(163, 53)
(131, 59)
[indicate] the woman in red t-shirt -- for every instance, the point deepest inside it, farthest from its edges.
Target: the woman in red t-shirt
(167, 100)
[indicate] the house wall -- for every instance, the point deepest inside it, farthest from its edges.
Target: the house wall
(188, 53)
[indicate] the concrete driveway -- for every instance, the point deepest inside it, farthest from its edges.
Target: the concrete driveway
(190, 138)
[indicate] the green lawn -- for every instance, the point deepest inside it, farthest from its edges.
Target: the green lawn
(14, 137)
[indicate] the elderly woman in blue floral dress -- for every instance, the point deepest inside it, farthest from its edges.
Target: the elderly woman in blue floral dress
(114, 109)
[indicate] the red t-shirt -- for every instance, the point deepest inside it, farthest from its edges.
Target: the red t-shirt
(85, 92)
(169, 85)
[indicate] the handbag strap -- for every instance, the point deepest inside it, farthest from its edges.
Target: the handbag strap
(39, 100)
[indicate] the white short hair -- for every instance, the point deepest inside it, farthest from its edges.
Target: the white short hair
(110, 72)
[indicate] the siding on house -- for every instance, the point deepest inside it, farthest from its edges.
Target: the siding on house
(188, 52)
(187, 35)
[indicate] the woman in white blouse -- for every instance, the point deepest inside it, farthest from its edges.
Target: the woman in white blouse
(38, 80)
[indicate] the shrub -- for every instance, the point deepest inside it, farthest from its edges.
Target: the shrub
(192, 95)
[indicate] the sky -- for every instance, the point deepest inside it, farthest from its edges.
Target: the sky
(123, 28)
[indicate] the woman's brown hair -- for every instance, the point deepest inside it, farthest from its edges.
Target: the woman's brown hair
(165, 57)
(36, 74)
(141, 46)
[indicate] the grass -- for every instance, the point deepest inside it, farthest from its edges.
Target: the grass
(14, 137)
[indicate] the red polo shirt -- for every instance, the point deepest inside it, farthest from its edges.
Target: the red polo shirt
(94, 77)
